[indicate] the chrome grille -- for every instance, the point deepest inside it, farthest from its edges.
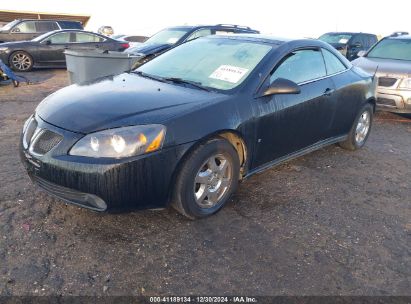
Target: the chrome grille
(45, 141)
(386, 81)
(31, 128)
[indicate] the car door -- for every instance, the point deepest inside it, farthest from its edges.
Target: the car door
(51, 50)
(287, 123)
(347, 97)
(25, 30)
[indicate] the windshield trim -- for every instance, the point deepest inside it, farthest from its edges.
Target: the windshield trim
(257, 68)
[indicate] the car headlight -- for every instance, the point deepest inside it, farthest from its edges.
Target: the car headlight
(405, 84)
(3, 49)
(121, 142)
(26, 123)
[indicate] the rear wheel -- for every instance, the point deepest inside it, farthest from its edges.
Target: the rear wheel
(360, 130)
(207, 179)
(21, 61)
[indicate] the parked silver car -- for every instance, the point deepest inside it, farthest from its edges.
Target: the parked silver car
(390, 61)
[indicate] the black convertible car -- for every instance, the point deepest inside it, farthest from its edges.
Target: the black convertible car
(48, 49)
(186, 127)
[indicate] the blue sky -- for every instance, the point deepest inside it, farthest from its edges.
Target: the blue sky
(295, 18)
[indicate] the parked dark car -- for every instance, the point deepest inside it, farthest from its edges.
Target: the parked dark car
(173, 36)
(48, 49)
(349, 44)
(27, 29)
(184, 128)
(390, 61)
(130, 38)
(134, 41)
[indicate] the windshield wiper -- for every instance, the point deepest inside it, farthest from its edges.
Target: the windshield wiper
(142, 74)
(184, 81)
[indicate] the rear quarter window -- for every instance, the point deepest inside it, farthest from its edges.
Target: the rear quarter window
(70, 25)
(332, 63)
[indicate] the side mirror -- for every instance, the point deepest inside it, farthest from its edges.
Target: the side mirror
(361, 53)
(47, 42)
(282, 86)
(15, 30)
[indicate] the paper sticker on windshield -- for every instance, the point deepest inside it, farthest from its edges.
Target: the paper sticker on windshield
(343, 40)
(229, 73)
(172, 40)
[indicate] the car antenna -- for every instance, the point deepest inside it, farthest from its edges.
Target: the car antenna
(375, 73)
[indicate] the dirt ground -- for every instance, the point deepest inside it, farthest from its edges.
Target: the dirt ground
(330, 223)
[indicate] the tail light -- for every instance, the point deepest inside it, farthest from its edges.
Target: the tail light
(125, 45)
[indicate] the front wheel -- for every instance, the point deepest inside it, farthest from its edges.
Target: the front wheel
(360, 130)
(206, 179)
(21, 61)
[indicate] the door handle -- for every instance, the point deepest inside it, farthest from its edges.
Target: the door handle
(328, 92)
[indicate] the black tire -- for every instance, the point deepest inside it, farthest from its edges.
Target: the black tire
(28, 66)
(184, 196)
(351, 143)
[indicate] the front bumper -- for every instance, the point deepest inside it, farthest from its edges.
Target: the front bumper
(103, 184)
(4, 56)
(394, 100)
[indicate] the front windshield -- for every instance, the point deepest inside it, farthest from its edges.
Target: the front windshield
(117, 36)
(218, 63)
(167, 36)
(335, 38)
(399, 49)
(9, 25)
(41, 37)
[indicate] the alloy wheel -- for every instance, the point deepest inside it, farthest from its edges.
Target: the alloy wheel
(212, 181)
(363, 126)
(21, 61)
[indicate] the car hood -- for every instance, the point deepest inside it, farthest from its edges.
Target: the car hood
(148, 49)
(123, 100)
(384, 67)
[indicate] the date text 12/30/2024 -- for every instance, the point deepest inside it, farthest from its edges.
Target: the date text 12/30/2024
(202, 299)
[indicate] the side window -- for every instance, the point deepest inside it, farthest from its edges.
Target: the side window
(70, 25)
(224, 32)
(86, 37)
(332, 63)
(365, 41)
(25, 27)
(199, 33)
(301, 66)
(60, 38)
(46, 26)
(356, 40)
